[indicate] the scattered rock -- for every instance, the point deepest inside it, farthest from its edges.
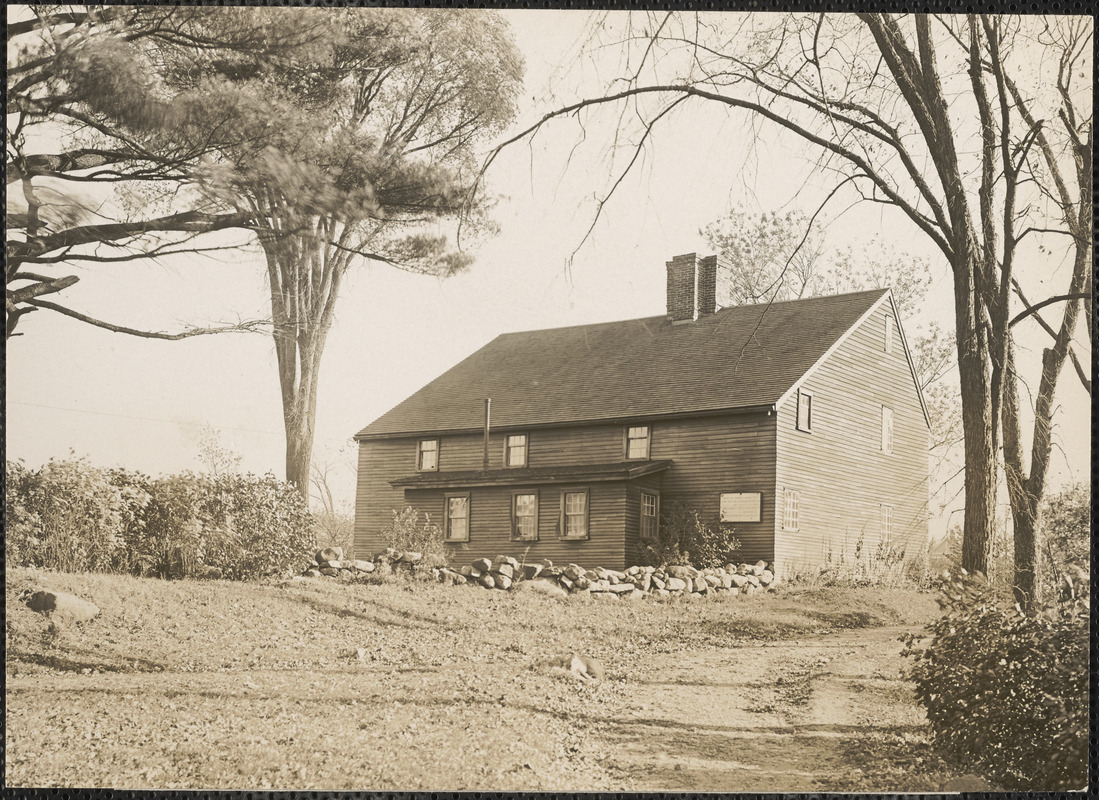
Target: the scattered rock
(331, 572)
(62, 604)
(574, 572)
(585, 667)
(681, 571)
(502, 581)
(506, 570)
(329, 554)
(312, 573)
(482, 565)
(531, 571)
(675, 584)
(487, 581)
(363, 566)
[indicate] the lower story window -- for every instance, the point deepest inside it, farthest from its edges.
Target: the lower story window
(791, 502)
(457, 518)
(524, 516)
(574, 512)
(649, 519)
(886, 523)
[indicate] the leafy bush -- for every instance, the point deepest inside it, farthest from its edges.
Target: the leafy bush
(684, 537)
(73, 517)
(1006, 692)
(405, 532)
(1066, 525)
(255, 526)
(67, 515)
(884, 565)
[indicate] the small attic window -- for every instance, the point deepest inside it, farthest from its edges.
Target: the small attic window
(889, 333)
(805, 411)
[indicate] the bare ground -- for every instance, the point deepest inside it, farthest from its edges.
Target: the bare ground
(317, 685)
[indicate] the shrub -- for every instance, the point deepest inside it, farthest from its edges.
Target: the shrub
(405, 532)
(684, 537)
(67, 515)
(1006, 692)
(256, 526)
(73, 517)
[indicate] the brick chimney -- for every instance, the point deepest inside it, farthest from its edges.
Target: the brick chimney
(692, 287)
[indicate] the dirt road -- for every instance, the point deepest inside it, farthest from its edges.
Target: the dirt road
(823, 713)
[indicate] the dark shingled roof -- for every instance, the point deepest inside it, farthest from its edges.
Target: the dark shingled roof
(737, 358)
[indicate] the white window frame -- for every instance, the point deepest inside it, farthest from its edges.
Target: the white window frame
(447, 519)
(420, 455)
(564, 534)
(889, 333)
(508, 447)
(803, 395)
(515, 495)
(647, 439)
(886, 429)
(655, 517)
(886, 523)
(791, 510)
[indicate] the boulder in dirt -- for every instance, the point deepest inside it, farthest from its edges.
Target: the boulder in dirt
(620, 588)
(62, 604)
(487, 581)
(603, 595)
(331, 572)
(541, 586)
(645, 581)
(766, 577)
(758, 567)
(506, 570)
(502, 581)
(658, 583)
(585, 666)
(738, 580)
(312, 573)
(482, 565)
(466, 570)
(531, 571)
(363, 566)
(675, 584)
(329, 554)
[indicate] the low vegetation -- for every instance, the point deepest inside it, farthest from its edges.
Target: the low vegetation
(69, 515)
(684, 536)
(1006, 692)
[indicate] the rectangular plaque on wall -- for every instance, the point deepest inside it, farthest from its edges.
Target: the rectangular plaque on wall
(741, 506)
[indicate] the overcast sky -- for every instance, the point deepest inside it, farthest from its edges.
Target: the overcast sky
(141, 404)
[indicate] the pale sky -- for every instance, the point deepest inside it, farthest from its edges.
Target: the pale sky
(141, 404)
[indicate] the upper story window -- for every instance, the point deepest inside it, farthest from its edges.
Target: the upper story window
(805, 410)
(650, 520)
(886, 429)
(637, 442)
(524, 516)
(457, 518)
(889, 333)
(791, 507)
(574, 514)
(515, 454)
(427, 456)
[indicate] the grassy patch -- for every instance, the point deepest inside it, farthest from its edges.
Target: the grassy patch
(317, 684)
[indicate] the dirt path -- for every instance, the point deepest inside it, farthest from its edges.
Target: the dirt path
(787, 716)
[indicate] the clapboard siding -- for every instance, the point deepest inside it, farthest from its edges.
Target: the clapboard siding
(839, 469)
(732, 453)
(490, 525)
(715, 455)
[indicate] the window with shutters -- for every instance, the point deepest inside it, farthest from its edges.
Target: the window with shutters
(427, 455)
(457, 518)
(524, 516)
(574, 514)
(886, 429)
(805, 410)
(791, 502)
(637, 442)
(650, 516)
(516, 450)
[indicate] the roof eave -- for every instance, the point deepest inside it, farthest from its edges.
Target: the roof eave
(520, 479)
(620, 420)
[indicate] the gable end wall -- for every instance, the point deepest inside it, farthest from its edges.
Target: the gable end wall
(839, 470)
